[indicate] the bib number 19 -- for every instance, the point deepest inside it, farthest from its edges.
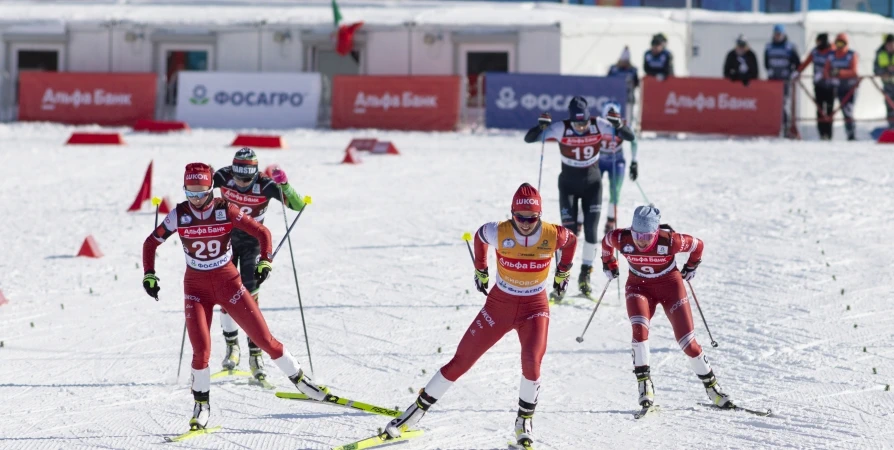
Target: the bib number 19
(588, 152)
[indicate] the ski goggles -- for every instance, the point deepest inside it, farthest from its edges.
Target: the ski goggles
(197, 194)
(526, 219)
(643, 237)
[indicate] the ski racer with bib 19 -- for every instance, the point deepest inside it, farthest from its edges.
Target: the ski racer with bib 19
(250, 191)
(612, 162)
(524, 246)
(580, 138)
(204, 225)
(654, 280)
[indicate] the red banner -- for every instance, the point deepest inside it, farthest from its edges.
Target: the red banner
(713, 106)
(425, 103)
(85, 98)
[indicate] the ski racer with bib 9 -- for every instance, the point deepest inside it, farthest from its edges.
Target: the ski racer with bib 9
(205, 225)
(612, 162)
(654, 280)
(250, 191)
(580, 137)
(524, 245)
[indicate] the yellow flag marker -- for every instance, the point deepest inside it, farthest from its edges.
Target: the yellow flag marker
(156, 201)
(467, 236)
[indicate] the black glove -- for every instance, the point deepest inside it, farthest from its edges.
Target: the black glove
(262, 271)
(544, 121)
(482, 280)
(614, 117)
(634, 171)
(688, 271)
(560, 281)
(611, 270)
(150, 284)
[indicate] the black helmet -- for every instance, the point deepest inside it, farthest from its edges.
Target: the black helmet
(578, 110)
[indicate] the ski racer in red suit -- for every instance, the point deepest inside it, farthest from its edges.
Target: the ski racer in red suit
(204, 224)
(654, 280)
(524, 247)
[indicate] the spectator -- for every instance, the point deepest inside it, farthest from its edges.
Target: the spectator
(781, 61)
(823, 91)
(741, 63)
(884, 67)
(624, 69)
(841, 68)
(658, 62)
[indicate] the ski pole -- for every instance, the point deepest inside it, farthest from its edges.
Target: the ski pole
(542, 148)
(580, 338)
(307, 201)
(182, 343)
(297, 289)
(468, 238)
(641, 192)
(713, 342)
(156, 201)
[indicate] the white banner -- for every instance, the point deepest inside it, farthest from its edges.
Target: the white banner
(248, 100)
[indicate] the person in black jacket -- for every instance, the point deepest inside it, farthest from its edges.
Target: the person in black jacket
(741, 64)
(658, 62)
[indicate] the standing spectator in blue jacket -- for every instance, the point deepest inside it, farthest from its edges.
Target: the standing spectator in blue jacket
(781, 61)
(624, 69)
(658, 62)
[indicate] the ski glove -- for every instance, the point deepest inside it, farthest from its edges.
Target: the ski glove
(544, 121)
(634, 171)
(150, 284)
(279, 176)
(262, 271)
(614, 117)
(482, 279)
(560, 282)
(610, 270)
(688, 271)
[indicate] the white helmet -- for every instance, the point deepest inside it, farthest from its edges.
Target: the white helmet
(608, 106)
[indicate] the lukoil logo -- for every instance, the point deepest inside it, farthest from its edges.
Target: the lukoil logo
(506, 99)
(674, 103)
(98, 97)
(248, 98)
(386, 101)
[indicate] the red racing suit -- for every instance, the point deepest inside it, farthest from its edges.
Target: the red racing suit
(518, 299)
(654, 279)
(211, 279)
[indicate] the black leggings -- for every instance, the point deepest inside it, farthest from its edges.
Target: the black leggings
(589, 192)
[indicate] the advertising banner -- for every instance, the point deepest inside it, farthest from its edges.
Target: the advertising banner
(248, 100)
(712, 106)
(516, 100)
(424, 103)
(87, 98)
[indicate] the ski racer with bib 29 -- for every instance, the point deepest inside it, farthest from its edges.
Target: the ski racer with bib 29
(524, 245)
(250, 191)
(580, 138)
(654, 280)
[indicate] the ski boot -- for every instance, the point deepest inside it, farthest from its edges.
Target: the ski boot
(306, 386)
(231, 360)
(411, 416)
(610, 225)
(583, 282)
(256, 361)
(715, 394)
(646, 388)
(524, 431)
(201, 411)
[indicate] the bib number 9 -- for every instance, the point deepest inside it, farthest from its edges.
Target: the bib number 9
(245, 210)
(587, 152)
(213, 249)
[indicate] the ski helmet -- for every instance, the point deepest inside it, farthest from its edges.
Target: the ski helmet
(526, 198)
(245, 164)
(578, 109)
(608, 106)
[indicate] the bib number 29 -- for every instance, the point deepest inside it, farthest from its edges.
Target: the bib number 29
(587, 152)
(213, 249)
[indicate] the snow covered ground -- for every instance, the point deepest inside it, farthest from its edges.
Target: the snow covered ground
(797, 280)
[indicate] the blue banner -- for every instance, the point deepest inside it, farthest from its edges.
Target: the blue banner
(516, 100)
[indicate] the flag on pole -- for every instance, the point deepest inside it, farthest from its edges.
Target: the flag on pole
(345, 34)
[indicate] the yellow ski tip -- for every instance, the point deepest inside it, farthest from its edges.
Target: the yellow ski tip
(467, 236)
(307, 200)
(156, 201)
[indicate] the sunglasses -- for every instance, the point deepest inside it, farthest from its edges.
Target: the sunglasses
(637, 236)
(197, 194)
(526, 219)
